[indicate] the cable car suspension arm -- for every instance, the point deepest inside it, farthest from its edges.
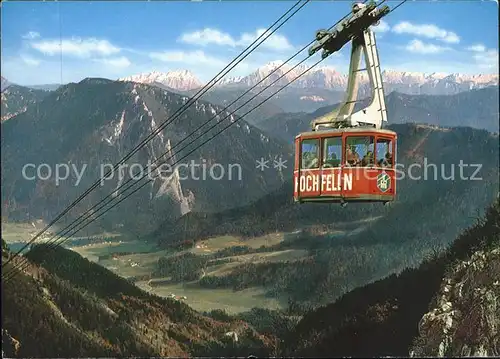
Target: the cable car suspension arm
(355, 28)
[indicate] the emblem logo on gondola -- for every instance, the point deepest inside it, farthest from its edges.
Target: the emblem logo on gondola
(383, 182)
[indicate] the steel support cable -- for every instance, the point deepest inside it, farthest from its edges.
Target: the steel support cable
(268, 98)
(203, 125)
(176, 114)
(90, 211)
(192, 142)
(21, 267)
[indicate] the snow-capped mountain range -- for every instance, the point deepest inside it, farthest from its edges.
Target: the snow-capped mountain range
(182, 80)
(327, 78)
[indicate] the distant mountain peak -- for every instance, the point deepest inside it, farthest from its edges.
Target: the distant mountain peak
(273, 64)
(183, 80)
(329, 78)
(325, 78)
(95, 81)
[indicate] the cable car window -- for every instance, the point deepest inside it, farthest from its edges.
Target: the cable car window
(384, 152)
(310, 154)
(359, 151)
(332, 152)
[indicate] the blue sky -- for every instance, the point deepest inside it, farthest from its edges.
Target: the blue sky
(116, 39)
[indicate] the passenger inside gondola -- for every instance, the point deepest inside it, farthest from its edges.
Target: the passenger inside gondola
(310, 156)
(352, 157)
(388, 157)
(360, 151)
(332, 152)
(384, 152)
(313, 161)
(386, 161)
(368, 159)
(332, 161)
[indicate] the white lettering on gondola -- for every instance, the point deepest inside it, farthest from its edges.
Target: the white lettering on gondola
(347, 182)
(329, 182)
(308, 183)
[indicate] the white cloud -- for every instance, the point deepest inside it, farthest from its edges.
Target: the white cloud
(420, 47)
(487, 59)
(206, 37)
(477, 48)
(210, 36)
(77, 47)
(275, 41)
(187, 57)
(118, 62)
(30, 61)
(381, 27)
(426, 30)
(31, 35)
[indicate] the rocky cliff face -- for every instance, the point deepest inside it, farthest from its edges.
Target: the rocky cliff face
(16, 99)
(10, 345)
(4, 83)
(465, 316)
(448, 306)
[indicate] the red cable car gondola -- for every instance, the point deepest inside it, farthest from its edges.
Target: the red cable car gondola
(353, 159)
(344, 166)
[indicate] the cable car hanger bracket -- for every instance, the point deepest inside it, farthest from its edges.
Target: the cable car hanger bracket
(355, 28)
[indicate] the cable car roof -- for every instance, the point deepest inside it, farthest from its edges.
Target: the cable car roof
(345, 130)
